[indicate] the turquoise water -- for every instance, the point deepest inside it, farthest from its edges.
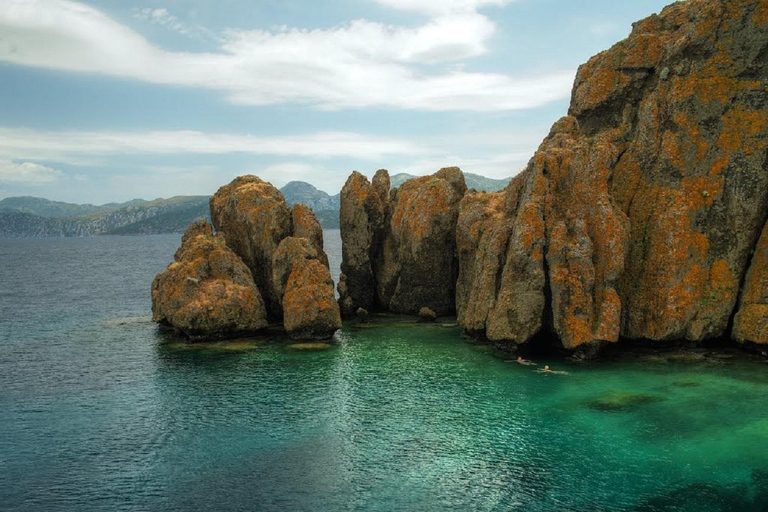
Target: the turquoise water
(101, 412)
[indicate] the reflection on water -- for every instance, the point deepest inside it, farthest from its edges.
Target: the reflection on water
(101, 412)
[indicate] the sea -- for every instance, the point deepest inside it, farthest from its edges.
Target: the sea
(100, 411)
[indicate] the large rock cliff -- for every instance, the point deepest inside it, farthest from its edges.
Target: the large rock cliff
(638, 214)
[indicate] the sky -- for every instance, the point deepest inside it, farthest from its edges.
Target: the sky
(111, 100)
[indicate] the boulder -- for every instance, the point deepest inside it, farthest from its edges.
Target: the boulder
(207, 292)
(253, 217)
(305, 288)
(427, 315)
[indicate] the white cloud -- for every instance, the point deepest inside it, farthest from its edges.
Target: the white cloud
(28, 173)
(72, 146)
(355, 65)
(162, 17)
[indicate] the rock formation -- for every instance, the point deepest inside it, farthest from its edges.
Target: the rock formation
(279, 250)
(364, 208)
(254, 218)
(399, 249)
(207, 291)
(637, 215)
(751, 321)
(305, 288)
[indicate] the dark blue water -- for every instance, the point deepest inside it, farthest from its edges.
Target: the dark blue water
(100, 412)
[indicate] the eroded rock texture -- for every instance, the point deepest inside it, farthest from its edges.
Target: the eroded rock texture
(306, 225)
(399, 248)
(364, 208)
(304, 284)
(254, 218)
(651, 193)
(207, 291)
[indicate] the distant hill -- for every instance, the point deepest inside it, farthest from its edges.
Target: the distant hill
(26, 217)
(325, 206)
(474, 181)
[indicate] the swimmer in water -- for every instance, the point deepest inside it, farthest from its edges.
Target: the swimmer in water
(547, 369)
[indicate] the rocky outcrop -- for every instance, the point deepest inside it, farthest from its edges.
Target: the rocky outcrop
(638, 213)
(399, 248)
(279, 250)
(305, 225)
(254, 218)
(364, 208)
(418, 266)
(207, 291)
(306, 291)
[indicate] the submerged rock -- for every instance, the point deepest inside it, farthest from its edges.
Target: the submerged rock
(620, 401)
(207, 292)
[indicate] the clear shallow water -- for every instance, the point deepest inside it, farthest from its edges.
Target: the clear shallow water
(98, 411)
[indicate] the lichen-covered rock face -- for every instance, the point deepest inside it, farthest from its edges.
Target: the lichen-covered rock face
(363, 213)
(418, 265)
(254, 218)
(306, 225)
(500, 241)
(684, 103)
(207, 291)
(751, 321)
(310, 310)
(647, 199)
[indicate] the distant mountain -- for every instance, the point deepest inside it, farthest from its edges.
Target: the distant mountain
(325, 206)
(57, 209)
(474, 181)
(34, 217)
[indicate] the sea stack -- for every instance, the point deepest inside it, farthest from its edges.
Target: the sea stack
(279, 249)
(207, 292)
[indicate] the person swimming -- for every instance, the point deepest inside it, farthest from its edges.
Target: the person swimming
(547, 369)
(520, 360)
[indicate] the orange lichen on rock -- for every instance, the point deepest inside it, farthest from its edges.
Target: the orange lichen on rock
(254, 218)
(207, 292)
(417, 264)
(306, 225)
(310, 309)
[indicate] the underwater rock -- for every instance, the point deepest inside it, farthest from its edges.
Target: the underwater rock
(207, 292)
(620, 401)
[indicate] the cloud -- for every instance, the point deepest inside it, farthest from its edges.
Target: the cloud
(163, 18)
(359, 64)
(28, 173)
(72, 146)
